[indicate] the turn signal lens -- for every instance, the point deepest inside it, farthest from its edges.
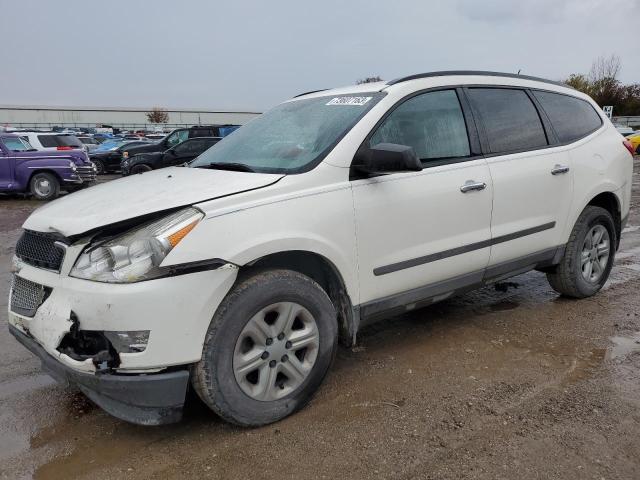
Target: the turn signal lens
(175, 238)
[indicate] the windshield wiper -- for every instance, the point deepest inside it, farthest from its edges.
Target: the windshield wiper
(237, 167)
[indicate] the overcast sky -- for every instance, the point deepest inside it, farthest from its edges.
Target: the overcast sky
(250, 55)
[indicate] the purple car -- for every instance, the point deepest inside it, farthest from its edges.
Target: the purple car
(42, 173)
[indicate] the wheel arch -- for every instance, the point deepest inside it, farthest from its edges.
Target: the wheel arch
(45, 170)
(611, 203)
(323, 271)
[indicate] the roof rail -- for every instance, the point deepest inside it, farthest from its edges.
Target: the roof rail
(309, 93)
(473, 72)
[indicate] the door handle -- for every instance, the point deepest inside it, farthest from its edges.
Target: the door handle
(559, 169)
(471, 185)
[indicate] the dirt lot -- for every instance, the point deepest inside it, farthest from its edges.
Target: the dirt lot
(494, 384)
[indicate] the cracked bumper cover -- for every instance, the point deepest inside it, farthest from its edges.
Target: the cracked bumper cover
(150, 399)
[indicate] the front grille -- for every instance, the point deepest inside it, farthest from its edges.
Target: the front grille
(86, 174)
(27, 296)
(40, 249)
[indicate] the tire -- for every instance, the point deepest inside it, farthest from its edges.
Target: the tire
(216, 379)
(100, 170)
(44, 186)
(141, 168)
(569, 278)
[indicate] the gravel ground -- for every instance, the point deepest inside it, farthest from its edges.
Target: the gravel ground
(494, 384)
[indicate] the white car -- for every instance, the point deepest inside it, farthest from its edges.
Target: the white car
(52, 141)
(240, 273)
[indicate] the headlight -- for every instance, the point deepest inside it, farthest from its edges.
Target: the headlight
(72, 166)
(136, 255)
(125, 154)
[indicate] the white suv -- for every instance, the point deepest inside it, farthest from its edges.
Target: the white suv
(239, 273)
(52, 141)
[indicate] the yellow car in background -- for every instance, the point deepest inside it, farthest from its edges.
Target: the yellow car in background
(634, 138)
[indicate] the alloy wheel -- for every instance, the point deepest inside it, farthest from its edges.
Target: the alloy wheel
(276, 351)
(595, 253)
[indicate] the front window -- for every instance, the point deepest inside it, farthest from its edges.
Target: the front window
(432, 123)
(17, 144)
(292, 137)
(177, 137)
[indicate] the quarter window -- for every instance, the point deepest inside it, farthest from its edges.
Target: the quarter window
(432, 123)
(572, 118)
(511, 121)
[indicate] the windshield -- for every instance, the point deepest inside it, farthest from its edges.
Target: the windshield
(292, 137)
(16, 144)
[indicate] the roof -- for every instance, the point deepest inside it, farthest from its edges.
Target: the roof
(379, 86)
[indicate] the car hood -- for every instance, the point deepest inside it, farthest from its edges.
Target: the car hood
(139, 195)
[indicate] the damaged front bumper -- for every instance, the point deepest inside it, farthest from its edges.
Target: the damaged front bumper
(128, 347)
(152, 399)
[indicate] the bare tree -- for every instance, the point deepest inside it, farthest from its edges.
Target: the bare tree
(158, 115)
(375, 78)
(605, 68)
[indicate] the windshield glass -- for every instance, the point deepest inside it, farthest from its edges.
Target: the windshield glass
(293, 137)
(16, 144)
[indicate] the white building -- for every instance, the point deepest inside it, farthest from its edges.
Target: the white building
(47, 117)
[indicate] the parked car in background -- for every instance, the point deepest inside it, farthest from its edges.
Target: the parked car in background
(624, 130)
(634, 139)
(107, 157)
(179, 135)
(41, 173)
(182, 153)
(103, 137)
(53, 141)
(90, 142)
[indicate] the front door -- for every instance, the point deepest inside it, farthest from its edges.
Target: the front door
(6, 169)
(423, 234)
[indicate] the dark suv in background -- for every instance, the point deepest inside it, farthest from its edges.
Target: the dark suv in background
(179, 135)
(181, 153)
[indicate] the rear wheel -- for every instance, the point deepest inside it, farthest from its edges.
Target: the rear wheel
(268, 348)
(141, 168)
(588, 256)
(44, 186)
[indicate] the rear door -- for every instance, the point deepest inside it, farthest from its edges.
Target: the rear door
(423, 234)
(532, 180)
(184, 152)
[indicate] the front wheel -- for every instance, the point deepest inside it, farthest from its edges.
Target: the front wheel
(588, 256)
(44, 186)
(268, 348)
(100, 170)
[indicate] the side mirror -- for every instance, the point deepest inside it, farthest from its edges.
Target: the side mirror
(390, 158)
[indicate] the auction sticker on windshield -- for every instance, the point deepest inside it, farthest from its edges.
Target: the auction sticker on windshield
(349, 101)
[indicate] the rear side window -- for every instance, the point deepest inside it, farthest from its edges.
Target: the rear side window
(432, 123)
(572, 118)
(52, 141)
(510, 119)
